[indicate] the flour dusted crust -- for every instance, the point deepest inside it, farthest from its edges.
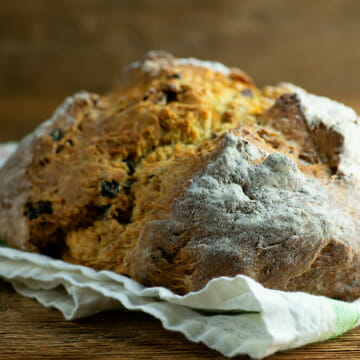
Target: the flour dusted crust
(186, 171)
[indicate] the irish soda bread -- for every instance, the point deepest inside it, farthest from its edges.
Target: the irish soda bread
(185, 172)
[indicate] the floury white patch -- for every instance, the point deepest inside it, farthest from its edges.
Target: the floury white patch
(252, 209)
(6, 150)
(319, 110)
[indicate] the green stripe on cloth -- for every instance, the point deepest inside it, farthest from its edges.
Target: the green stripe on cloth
(347, 315)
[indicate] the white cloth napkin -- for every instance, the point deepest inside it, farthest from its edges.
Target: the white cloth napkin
(231, 315)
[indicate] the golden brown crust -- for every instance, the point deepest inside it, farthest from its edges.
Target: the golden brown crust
(107, 182)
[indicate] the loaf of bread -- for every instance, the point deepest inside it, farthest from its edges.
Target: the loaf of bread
(184, 172)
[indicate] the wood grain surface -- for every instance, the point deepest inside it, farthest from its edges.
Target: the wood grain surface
(30, 331)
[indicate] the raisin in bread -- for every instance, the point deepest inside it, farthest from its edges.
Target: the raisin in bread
(185, 172)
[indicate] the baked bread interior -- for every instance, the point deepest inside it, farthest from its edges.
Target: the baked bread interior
(185, 171)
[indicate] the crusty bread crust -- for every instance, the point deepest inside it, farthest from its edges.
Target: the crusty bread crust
(185, 172)
(15, 183)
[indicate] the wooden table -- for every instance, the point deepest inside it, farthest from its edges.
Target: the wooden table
(30, 331)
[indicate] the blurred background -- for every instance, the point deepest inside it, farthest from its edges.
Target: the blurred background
(51, 49)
